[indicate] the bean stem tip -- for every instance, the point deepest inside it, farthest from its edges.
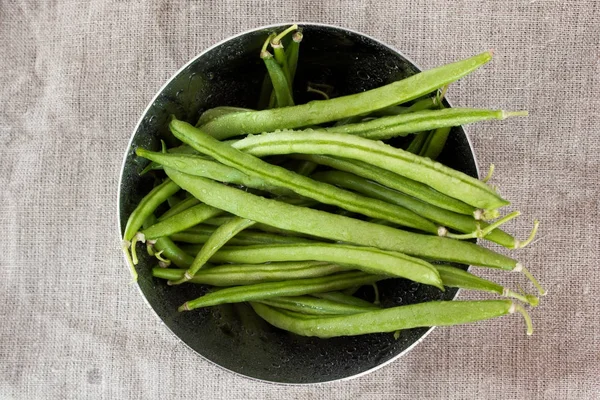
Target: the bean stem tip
(516, 307)
(520, 268)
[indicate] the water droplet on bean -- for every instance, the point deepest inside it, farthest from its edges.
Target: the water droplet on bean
(362, 75)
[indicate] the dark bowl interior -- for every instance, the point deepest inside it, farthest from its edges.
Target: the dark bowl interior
(232, 336)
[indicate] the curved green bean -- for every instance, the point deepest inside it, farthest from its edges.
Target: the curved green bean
(250, 274)
(435, 313)
(166, 247)
(318, 112)
(261, 291)
(182, 221)
(304, 186)
(393, 181)
(460, 222)
(435, 143)
(337, 227)
(368, 259)
(315, 306)
(220, 237)
(147, 205)
(441, 178)
(426, 120)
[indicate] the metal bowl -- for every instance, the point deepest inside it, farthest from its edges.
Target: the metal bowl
(232, 336)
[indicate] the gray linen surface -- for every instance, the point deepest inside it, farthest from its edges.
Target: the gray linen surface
(75, 77)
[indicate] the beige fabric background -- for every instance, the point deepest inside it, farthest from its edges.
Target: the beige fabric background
(75, 77)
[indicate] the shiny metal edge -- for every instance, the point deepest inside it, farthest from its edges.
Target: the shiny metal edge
(119, 228)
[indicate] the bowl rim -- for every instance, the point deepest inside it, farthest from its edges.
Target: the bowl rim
(129, 144)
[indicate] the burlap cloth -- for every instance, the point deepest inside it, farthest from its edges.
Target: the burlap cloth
(75, 77)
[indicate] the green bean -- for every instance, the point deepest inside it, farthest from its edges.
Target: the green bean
(368, 259)
(403, 124)
(280, 55)
(343, 298)
(336, 227)
(250, 274)
(278, 79)
(182, 221)
(460, 222)
(417, 142)
(216, 112)
(318, 112)
(298, 287)
(147, 205)
(314, 306)
(435, 313)
(182, 206)
(393, 181)
(435, 143)
(443, 179)
(200, 233)
(218, 239)
(197, 165)
(458, 278)
(279, 176)
(172, 201)
(293, 53)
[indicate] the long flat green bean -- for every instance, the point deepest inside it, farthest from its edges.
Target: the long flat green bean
(460, 222)
(318, 112)
(250, 274)
(393, 181)
(314, 306)
(181, 206)
(343, 298)
(337, 227)
(302, 185)
(435, 313)
(216, 112)
(368, 259)
(198, 165)
(443, 179)
(426, 120)
(298, 287)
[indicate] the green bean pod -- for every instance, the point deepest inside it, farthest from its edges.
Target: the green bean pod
(417, 142)
(279, 80)
(217, 112)
(435, 143)
(367, 259)
(393, 181)
(337, 227)
(425, 104)
(292, 53)
(440, 177)
(435, 313)
(182, 221)
(219, 238)
(250, 274)
(198, 165)
(458, 278)
(302, 185)
(318, 112)
(460, 222)
(147, 205)
(426, 120)
(315, 306)
(199, 234)
(298, 287)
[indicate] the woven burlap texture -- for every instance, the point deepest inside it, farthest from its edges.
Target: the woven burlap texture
(75, 77)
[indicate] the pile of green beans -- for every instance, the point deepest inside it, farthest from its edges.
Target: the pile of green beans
(335, 208)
